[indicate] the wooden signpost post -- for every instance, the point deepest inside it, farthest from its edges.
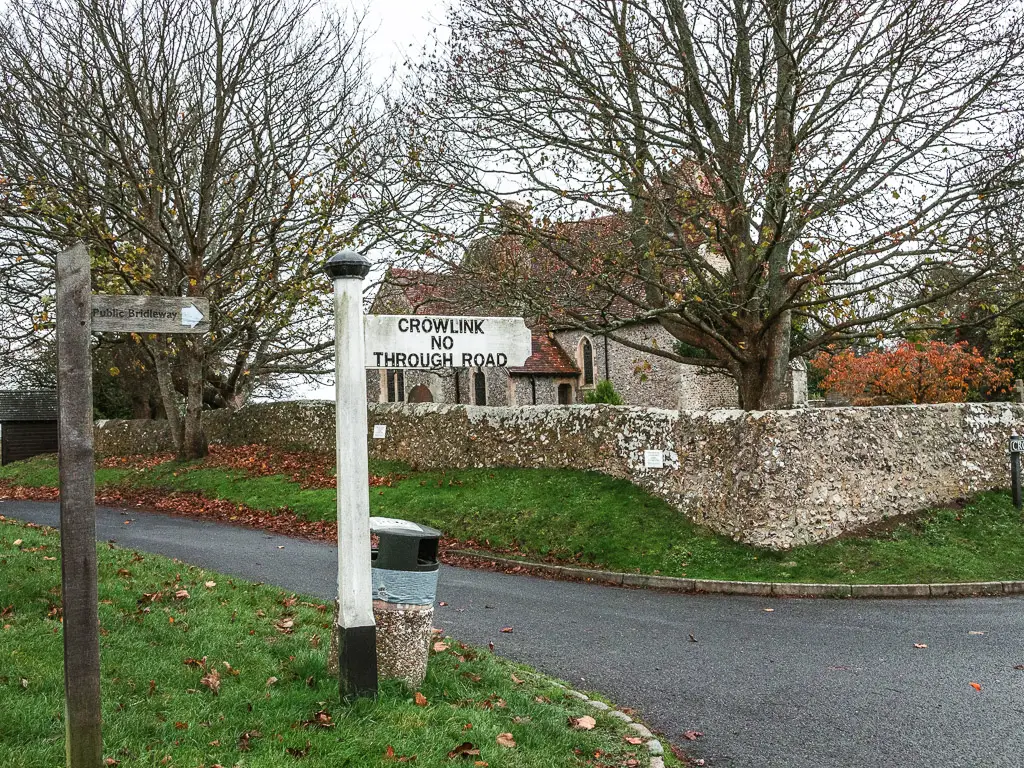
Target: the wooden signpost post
(78, 314)
(383, 341)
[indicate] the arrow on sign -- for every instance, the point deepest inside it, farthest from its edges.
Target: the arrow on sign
(191, 316)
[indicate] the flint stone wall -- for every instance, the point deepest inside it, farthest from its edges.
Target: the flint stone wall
(776, 479)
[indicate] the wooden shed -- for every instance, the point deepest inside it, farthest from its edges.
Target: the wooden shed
(28, 423)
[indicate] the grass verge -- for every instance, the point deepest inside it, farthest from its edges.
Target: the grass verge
(588, 519)
(199, 669)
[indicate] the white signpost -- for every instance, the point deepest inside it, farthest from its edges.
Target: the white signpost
(78, 314)
(386, 341)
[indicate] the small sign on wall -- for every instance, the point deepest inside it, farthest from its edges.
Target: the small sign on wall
(654, 459)
(380, 431)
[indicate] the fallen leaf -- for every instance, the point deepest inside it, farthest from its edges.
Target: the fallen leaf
(506, 630)
(465, 749)
(212, 681)
(480, 764)
(583, 723)
(516, 680)
(975, 633)
(111, 761)
(442, 603)
(634, 740)
(506, 740)
(420, 699)
(920, 645)
(298, 753)
(201, 663)
(321, 719)
(692, 735)
(1019, 666)
(24, 683)
(210, 584)
(271, 681)
(389, 753)
(245, 738)
(517, 719)
(17, 542)
(285, 625)
(693, 639)
(976, 686)
(490, 647)
(440, 647)
(181, 594)
(181, 726)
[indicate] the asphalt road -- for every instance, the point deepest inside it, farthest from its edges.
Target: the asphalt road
(811, 684)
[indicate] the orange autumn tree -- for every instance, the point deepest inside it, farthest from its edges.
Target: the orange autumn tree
(922, 372)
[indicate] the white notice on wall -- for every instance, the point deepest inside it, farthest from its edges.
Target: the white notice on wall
(380, 431)
(654, 459)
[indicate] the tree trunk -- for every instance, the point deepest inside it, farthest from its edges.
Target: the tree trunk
(194, 444)
(168, 394)
(762, 381)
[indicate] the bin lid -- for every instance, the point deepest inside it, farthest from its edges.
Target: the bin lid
(396, 527)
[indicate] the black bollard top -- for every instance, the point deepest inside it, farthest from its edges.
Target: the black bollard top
(347, 264)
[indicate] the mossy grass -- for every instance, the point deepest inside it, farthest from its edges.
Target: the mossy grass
(275, 704)
(592, 520)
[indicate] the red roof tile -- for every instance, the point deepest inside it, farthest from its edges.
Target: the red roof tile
(548, 358)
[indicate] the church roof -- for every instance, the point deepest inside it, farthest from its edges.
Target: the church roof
(548, 358)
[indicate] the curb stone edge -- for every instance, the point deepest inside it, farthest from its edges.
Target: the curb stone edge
(761, 588)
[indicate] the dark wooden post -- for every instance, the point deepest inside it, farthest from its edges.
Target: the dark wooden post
(84, 741)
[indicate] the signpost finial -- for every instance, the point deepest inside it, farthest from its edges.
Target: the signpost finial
(347, 264)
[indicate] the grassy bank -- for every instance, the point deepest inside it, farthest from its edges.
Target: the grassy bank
(200, 670)
(589, 519)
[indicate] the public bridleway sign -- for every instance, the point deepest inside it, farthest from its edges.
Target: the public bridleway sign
(150, 314)
(430, 342)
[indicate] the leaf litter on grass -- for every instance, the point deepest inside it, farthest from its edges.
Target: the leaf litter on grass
(254, 688)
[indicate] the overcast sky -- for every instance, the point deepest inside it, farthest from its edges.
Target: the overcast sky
(399, 24)
(400, 28)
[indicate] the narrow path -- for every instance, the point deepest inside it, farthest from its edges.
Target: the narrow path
(811, 684)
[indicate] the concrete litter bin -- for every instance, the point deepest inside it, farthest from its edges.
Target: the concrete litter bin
(404, 571)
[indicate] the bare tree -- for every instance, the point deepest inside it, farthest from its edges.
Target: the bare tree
(761, 177)
(214, 148)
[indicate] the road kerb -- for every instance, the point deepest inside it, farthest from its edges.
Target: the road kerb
(759, 588)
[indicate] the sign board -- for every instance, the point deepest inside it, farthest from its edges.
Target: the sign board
(380, 431)
(150, 314)
(428, 342)
(1016, 444)
(654, 459)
